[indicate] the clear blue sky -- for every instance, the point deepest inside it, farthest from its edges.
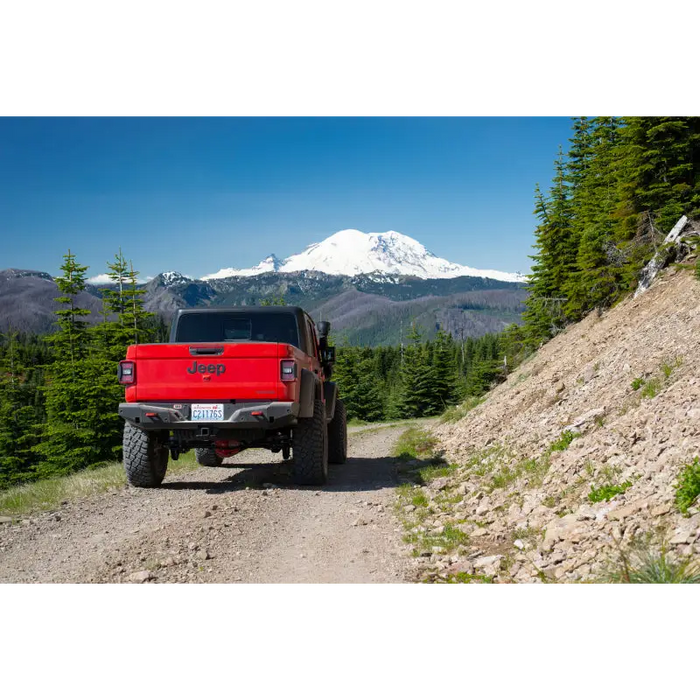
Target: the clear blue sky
(196, 195)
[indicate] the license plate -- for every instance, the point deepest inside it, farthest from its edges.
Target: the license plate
(207, 411)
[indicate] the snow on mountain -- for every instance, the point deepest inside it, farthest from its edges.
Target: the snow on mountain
(270, 264)
(172, 277)
(351, 252)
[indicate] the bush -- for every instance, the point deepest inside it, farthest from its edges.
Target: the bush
(688, 487)
(607, 491)
(565, 439)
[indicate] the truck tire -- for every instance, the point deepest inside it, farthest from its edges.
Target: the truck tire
(145, 458)
(338, 435)
(207, 457)
(310, 448)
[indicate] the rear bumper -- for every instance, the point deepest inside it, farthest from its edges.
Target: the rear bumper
(270, 415)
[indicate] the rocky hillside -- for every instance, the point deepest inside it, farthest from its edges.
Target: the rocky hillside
(569, 469)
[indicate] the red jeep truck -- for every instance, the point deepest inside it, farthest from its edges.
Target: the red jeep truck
(229, 379)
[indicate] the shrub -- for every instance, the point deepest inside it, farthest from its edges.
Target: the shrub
(607, 491)
(688, 487)
(565, 439)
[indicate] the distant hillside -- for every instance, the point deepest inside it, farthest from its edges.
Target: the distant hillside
(27, 301)
(365, 309)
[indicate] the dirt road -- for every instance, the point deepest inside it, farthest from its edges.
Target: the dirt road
(225, 525)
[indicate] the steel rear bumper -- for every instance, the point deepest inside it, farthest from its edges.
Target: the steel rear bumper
(269, 415)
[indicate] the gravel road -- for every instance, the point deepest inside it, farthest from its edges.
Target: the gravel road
(225, 525)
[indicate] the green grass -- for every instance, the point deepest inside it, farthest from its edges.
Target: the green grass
(50, 493)
(564, 440)
(688, 487)
(534, 468)
(643, 563)
(668, 366)
(415, 443)
(638, 383)
(455, 413)
(448, 540)
(651, 388)
(419, 500)
(607, 491)
(463, 577)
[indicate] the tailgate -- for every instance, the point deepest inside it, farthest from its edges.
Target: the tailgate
(206, 371)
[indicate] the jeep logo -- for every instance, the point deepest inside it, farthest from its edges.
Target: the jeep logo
(206, 369)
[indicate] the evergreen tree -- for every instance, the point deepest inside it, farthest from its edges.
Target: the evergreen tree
(68, 441)
(596, 280)
(445, 384)
(417, 396)
(18, 417)
(357, 380)
(662, 169)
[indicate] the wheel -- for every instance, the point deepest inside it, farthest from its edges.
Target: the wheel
(310, 448)
(207, 457)
(338, 435)
(145, 457)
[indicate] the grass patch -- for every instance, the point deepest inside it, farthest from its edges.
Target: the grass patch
(455, 413)
(638, 383)
(535, 469)
(415, 443)
(688, 487)
(50, 493)
(463, 577)
(419, 500)
(564, 440)
(644, 563)
(607, 491)
(447, 541)
(668, 366)
(651, 388)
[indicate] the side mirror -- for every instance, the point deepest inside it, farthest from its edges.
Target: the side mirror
(324, 328)
(328, 355)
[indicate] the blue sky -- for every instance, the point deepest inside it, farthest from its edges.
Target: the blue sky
(196, 195)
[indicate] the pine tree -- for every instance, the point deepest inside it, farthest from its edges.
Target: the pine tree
(445, 385)
(82, 394)
(539, 313)
(417, 396)
(596, 281)
(356, 374)
(663, 167)
(18, 416)
(134, 317)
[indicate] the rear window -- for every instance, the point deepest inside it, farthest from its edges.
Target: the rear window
(237, 327)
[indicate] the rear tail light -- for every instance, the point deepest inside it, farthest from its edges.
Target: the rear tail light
(288, 370)
(127, 372)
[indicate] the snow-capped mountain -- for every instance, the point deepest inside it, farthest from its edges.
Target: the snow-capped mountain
(270, 264)
(173, 277)
(351, 252)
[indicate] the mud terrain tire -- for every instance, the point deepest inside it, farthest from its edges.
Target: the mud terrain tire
(145, 458)
(338, 435)
(310, 448)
